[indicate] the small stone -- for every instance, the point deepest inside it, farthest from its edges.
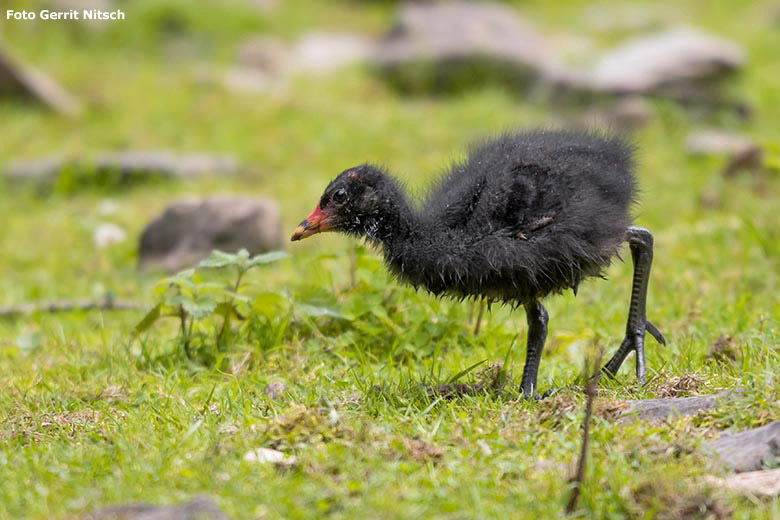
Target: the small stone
(718, 142)
(199, 508)
(124, 167)
(188, 230)
(484, 448)
(274, 389)
(766, 483)
(107, 234)
(743, 153)
(445, 37)
(266, 63)
(23, 81)
(750, 449)
(269, 456)
(662, 409)
(320, 52)
(664, 61)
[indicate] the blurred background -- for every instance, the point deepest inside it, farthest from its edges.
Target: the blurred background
(105, 123)
(129, 149)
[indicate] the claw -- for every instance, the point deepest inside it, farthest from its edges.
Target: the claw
(653, 330)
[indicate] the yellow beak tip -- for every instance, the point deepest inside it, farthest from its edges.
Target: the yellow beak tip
(299, 234)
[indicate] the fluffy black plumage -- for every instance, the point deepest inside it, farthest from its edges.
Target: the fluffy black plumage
(523, 216)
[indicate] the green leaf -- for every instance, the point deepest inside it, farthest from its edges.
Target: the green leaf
(242, 259)
(175, 299)
(151, 317)
(186, 273)
(199, 308)
(317, 311)
(226, 309)
(269, 303)
(218, 259)
(268, 258)
(210, 286)
(243, 298)
(182, 278)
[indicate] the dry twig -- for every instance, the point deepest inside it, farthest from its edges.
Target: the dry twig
(591, 385)
(69, 306)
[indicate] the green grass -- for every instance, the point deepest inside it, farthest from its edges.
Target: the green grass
(88, 418)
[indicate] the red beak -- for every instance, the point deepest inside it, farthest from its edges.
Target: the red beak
(315, 223)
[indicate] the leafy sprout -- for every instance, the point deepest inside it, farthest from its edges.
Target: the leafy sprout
(190, 298)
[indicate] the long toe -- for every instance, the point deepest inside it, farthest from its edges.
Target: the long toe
(653, 330)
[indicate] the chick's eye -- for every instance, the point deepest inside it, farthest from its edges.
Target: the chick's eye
(339, 196)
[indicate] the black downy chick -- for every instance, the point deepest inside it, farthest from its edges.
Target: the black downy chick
(524, 216)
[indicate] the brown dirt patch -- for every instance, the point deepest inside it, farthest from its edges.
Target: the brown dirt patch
(553, 410)
(724, 349)
(685, 385)
(34, 428)
(421, 451)
(669, 501)
(610, 410)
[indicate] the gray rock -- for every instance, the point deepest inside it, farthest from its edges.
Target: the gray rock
(43, 171)
(718, 142)
(445, 37)
(752, 483)
(167, 163)
(748, 450)
(24, 82)
(320, 52)
(188, 230)
(445, 45)
(662, 409)
(266, 63)
(742, 152)
(667, 61)
(128, 166)
(196, 509)
(316, 52)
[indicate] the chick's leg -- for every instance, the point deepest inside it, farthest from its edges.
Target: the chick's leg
(537, 318)
(640, 241)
